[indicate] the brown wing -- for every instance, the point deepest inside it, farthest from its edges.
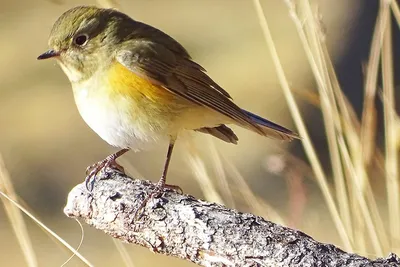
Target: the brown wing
(176, 72)
(183, 77)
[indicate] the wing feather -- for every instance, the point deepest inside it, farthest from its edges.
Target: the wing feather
(183, 77)
(177, 73)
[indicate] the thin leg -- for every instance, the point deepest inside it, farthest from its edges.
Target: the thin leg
(162, 182)
(109, 161)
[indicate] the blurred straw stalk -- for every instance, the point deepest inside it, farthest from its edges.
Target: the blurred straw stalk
(352, 145)
(15, 217)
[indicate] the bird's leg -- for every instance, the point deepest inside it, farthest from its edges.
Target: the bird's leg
(109, 161)
(157, 192)
(162, 182)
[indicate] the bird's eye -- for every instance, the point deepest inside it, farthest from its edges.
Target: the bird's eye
(81, 40)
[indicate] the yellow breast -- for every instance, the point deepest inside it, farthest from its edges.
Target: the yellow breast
(127, 110)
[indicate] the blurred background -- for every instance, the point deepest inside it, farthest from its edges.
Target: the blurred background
(46, 146)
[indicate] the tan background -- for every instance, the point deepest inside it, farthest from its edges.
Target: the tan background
(46, 145)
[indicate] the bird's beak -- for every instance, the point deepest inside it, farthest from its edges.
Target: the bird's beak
(49, 54)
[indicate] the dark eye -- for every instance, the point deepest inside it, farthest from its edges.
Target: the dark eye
(81, 40)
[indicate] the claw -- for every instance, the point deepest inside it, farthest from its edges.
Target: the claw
(139, 212)
(108, 162)
(89, 183)
(91, 173)
(114, 165)
(156, 193)
(174, 187)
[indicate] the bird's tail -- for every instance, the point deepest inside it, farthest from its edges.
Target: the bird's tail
(271, 129)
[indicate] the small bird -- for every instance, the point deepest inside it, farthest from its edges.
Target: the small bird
(135, 86)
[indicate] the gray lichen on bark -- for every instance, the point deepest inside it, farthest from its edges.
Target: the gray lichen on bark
(205, 233)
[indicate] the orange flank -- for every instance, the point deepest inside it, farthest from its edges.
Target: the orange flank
(125, 82)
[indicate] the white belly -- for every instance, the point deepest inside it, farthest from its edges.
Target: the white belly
(114, 124)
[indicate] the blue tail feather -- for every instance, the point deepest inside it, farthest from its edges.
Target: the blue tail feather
(269, 124)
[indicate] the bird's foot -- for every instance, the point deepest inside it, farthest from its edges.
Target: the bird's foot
(156, 193)
(174, 187)
(93, 170)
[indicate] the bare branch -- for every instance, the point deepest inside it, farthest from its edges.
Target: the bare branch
(205, 233)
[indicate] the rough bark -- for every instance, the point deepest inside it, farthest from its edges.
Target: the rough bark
(205, 233)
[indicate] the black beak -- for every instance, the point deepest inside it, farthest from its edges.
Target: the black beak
(49, 54)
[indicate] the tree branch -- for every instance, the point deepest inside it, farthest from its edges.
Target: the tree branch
(205, 233)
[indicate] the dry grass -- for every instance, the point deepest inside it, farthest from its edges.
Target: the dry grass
(351, 143)
(391, 137)
(123, 252)
(15, 216)
(14, 213)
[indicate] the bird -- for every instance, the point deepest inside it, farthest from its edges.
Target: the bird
(136, 86)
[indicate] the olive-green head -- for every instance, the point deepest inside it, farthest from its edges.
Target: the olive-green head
(83, 39)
